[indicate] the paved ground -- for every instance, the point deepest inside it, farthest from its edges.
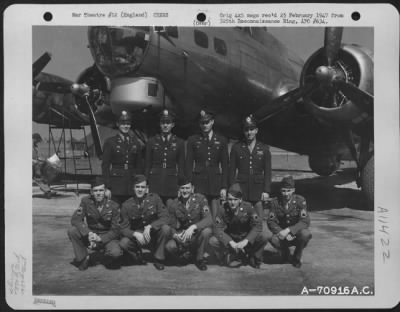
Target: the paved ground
(340, 253)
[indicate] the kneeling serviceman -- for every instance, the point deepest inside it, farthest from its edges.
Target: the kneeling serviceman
(101, 229)
(144, 221)
(289, 221)
(239, 235)
(192, 223)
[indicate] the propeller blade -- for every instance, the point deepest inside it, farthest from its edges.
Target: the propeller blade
(332, 42)
(56, 87)
(283, 102)
(363, 100)
(40, 63)
(94, 129)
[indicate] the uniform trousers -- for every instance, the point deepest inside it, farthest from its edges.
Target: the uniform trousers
(197, 244)
(80, 244)
(256, 249)
(301, 240)
(158, 239)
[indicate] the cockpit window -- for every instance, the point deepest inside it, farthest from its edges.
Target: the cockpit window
(118, 50)
(220, 46)
(201, 39)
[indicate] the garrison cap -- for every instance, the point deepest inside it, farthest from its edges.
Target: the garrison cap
(167, 116)
(97, 182)
(139, 178)
(249, 122)
(287, 182)
(235, 190)
(37, 137)
(183, 181)
(124, 117)
(205, 116)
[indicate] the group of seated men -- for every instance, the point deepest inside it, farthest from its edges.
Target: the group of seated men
(188, 227)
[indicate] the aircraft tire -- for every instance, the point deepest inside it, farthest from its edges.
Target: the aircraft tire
(367, 182)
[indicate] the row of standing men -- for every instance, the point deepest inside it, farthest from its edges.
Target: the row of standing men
(206, 161)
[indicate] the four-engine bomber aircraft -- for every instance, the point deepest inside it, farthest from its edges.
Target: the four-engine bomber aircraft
(319, 108)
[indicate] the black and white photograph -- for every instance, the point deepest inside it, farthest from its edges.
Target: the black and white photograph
(203, 161)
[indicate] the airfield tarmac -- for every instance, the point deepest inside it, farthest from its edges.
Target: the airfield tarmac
(339, 254)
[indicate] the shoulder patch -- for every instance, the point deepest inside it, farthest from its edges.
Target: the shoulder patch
(218, 220)
(303, 213)
(206, 209)
(255, 217)
(79, 211)
(271, 215)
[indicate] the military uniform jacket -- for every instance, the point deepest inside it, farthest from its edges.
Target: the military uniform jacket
(121, 161)
(245, 223)
(207, 163)
(251, 170)
(135, 215)
(295, 217)
(164, 164)
(105, 223)
(195, 211)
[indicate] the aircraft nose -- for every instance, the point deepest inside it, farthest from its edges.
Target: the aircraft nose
(118, 50)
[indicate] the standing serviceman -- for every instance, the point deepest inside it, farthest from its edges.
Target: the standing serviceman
(95, 225)
(250, 164)
(144, 222)
(121, 160)
(289, 220)
(192, 222)
(165, 159)
(207, 160)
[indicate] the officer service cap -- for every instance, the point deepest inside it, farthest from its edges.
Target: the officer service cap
(37, 137)
(97, 182)
(124, 117)
(183, 181)
(235, 190)
(166, 115)
(139, 178)
(249, 122)
(205, 116)
(287, 182)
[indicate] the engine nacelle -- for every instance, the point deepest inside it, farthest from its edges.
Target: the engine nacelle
(136, 94)
(324, 165)
(355, 62)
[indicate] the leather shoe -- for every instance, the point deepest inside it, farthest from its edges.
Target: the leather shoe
(201, 265)
(233, 261)
(140, 260)
(296, 263)
(159, 265)
(113, 264)
(254, 262)
(84, 264)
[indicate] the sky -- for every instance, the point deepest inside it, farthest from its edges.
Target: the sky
(68, 46)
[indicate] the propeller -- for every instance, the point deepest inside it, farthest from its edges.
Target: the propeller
(332, 80)
(40, 63)
(93, 127)
(332, 42)
(329, 84)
